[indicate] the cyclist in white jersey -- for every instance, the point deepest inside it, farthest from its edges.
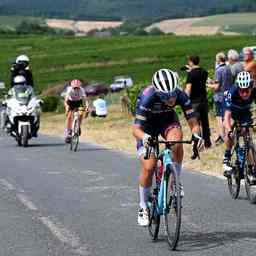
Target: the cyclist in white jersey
(75, 98)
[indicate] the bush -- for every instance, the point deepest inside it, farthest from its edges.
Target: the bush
(133, 93)
(50, 103)
(60, 107)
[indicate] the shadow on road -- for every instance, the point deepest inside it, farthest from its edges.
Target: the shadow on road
(197, 241)
(93, 149)
(41, 145)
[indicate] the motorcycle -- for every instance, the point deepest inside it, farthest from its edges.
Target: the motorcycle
(23, 114)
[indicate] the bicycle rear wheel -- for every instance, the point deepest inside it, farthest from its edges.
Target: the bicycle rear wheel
(173, 212)
(234, 181)
(249, 166)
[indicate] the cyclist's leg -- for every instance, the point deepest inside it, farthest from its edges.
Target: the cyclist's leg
(172, 131)
(145, 182)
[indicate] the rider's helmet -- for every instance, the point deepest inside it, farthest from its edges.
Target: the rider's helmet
(22, 59)
(244, 80)
(19, 80)
(75, 83)
(165, 80)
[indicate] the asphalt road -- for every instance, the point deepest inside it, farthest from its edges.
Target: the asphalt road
(58, 203)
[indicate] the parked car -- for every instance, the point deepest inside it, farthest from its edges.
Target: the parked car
(90, 90)
(96, 89)
(120, 83)
(254, 51)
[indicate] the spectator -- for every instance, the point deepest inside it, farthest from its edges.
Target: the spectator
(99, 108)
(196, 90)
(250, 63)
(223, 81)
(235, 65)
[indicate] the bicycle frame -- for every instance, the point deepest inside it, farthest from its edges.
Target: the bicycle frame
(167, 170)
(162, 195)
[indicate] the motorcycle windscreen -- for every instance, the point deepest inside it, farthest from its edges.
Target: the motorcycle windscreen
(22, 94)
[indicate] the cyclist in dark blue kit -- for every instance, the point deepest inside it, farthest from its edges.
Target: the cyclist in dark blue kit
(155, 115)
(238, 102)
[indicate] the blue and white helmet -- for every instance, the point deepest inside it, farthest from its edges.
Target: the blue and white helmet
(165, 80)
(244, 80)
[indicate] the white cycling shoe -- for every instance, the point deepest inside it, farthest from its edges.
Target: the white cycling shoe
(143, 218)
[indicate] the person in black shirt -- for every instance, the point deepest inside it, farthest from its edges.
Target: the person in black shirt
(21, 67)
(196, 90)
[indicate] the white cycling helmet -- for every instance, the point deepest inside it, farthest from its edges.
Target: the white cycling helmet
(244, 80)
(22, 58)
(165, 80)
(19, 80)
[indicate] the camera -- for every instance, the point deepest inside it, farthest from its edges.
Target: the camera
(184, 68)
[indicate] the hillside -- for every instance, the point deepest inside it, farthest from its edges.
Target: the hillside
(123, 9)
(233, 23)
(55, 59)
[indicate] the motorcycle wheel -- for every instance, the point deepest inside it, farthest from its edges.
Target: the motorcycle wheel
(24, 135)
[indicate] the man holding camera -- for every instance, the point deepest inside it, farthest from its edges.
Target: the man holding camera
(196, 90)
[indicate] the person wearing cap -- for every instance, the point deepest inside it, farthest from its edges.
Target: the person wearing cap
(75, 98)
(21, 67)
(154, 116)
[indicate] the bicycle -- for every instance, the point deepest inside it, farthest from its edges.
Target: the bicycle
(76, 130)
(243, 160)
(165, 199)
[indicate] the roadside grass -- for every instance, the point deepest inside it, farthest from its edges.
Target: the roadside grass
(115, 132)
(58, 59)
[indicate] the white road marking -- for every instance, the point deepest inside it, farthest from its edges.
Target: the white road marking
(7, 185)
(61, 232)
(57, 229)
(26, 202)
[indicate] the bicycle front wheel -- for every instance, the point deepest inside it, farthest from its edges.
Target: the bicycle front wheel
(154, 217)
(172, 214)
(75, 136)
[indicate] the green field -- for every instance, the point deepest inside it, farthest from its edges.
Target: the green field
(57, 59)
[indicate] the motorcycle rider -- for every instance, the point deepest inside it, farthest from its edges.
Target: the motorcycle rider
(20, 86)
(21, 67)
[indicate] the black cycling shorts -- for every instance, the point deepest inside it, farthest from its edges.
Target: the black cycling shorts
(74, 104)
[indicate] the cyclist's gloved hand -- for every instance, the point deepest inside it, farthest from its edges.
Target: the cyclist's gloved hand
(198, 141)
(146, 140)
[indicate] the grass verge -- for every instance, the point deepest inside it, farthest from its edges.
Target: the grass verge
(115, 132)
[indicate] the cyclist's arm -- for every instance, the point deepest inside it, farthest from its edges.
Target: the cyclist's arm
(138, 132)
(227, 121)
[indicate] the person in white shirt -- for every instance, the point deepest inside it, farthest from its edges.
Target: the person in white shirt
(99, 108)
(75, 99)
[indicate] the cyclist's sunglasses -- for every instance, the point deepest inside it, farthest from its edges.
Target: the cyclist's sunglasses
(245, 90)
(166, 96)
